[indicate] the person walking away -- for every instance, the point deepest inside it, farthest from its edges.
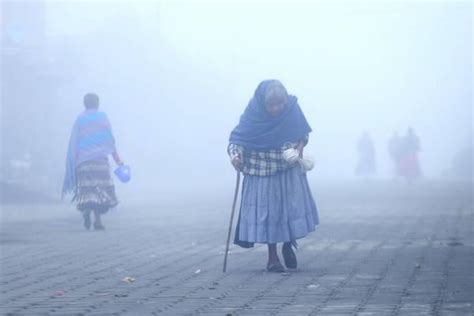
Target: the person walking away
(87, 174)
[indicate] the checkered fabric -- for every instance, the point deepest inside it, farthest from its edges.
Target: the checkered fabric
(261, 163)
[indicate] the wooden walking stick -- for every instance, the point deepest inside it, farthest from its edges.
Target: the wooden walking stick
(231, 219)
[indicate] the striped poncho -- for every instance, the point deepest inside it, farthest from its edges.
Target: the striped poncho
(91, 138)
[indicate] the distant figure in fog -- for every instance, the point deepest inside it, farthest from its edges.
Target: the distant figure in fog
(395, 152)
(276, 204)
(87, 166)
(409, 164)
(366, 150)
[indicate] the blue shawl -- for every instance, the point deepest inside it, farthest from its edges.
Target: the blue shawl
(258, 130)
(91, 138)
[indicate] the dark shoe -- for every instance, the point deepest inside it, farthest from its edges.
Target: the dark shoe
(275, 267)
(87, 218)
(289, 256)
(99, 226)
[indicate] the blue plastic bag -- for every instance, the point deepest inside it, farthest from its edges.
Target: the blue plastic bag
(123, 173)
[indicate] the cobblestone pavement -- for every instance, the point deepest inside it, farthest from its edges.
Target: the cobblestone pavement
(381, 249)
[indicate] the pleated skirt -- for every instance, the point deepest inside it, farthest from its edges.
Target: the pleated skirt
(276, 208)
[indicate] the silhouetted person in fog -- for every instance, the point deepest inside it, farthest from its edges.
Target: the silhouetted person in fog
(409, 165)
(87, 164)
(366, 150)
(395, 152)
(276, 205)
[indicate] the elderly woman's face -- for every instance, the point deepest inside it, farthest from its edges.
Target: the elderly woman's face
(274, 106)
(276, 99)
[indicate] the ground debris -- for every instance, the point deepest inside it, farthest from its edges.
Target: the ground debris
(128, 280)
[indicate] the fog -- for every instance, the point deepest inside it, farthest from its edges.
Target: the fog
(175, 77)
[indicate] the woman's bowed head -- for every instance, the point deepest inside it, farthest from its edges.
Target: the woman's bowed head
(276, 98)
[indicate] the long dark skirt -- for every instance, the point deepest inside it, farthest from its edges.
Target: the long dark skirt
(277, 208)
(95, 187)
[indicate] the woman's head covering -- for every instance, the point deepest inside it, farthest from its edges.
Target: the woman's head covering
(259, 130)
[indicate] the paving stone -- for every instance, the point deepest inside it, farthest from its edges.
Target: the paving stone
(383, 250)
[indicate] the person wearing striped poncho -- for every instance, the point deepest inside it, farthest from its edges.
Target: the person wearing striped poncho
(87, 174)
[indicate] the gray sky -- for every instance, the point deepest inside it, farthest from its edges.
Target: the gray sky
(175, 76)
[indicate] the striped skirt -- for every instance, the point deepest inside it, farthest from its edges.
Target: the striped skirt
(276, 208)
(95, 188)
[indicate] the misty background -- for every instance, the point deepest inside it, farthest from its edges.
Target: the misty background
(175, 77)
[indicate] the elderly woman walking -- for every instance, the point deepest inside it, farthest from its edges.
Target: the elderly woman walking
(277, 205)
(87, 165)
